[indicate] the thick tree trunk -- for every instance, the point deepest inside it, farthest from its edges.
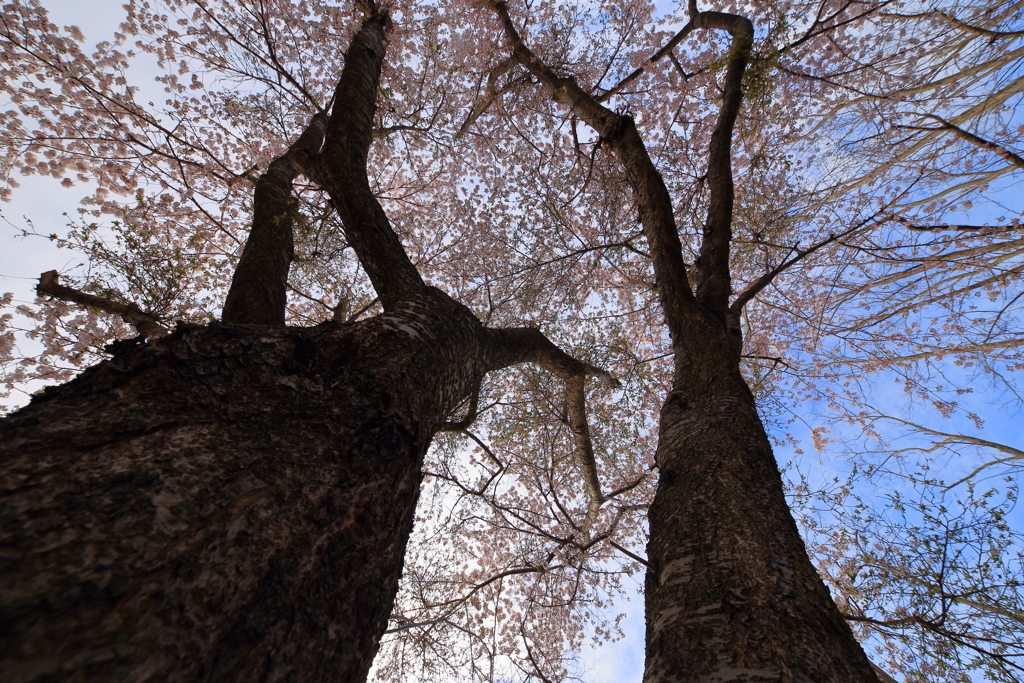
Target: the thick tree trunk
(731, 594)
(230, 503)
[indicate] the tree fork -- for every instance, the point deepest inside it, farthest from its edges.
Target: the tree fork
(652, 197)
(233, 503)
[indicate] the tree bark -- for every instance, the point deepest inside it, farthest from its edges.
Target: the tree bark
(258, 292)
(342, 166)
(231, 503)
(730, 592)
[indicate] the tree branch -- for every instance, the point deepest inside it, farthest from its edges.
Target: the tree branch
(882, 676)
(493, 91)
(258, 292)
(755, 287)
(1013, 454)
(628, 553)
(713, 275)
(342, 165)
(975, 140)
(525, 344)
(464, 424)
(960, 228)
(665, 50)
(513, 345)
(618, 132)
(533, 660)
(453, 605)
(146, 325)
(576, 403)
(977, 29)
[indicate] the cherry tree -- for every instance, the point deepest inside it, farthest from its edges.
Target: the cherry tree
(223, 482)
(658, 195)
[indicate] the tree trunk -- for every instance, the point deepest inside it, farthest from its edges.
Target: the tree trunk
(731, 594)
(230, 503)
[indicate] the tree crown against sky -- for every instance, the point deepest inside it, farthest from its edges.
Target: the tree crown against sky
(867, 133)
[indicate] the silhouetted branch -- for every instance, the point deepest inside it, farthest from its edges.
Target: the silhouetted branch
(258, 292)
(713, 274)
(342, 167)
(147, 325)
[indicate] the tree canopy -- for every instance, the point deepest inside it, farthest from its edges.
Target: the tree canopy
(860, 159)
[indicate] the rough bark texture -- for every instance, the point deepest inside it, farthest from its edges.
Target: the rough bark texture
(343, 168)
(232, 503)
(229, 504)
(730, 592)
(713, 281)
(259, 287)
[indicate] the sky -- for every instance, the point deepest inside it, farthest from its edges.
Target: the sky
(41, 201)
